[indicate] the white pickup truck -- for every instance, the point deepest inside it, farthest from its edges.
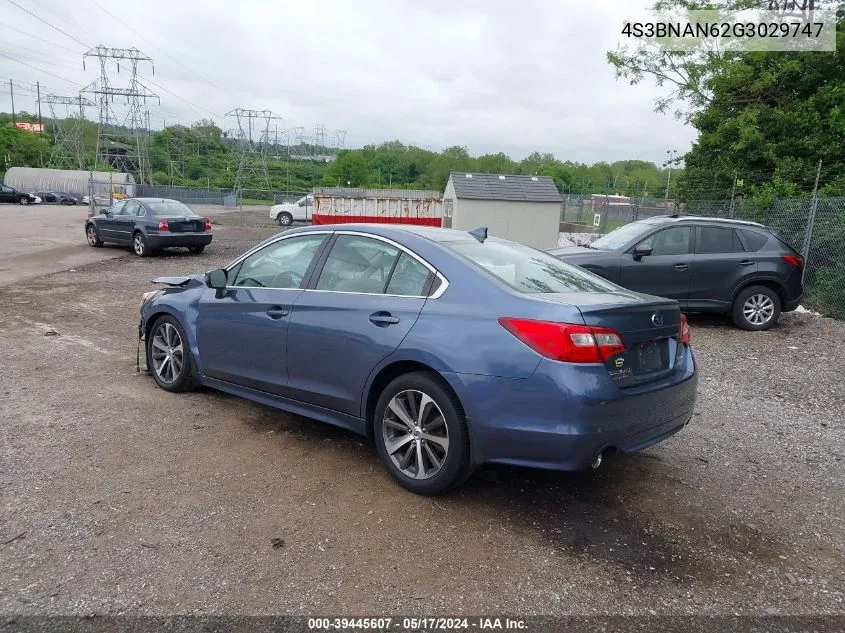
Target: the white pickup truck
(289, 212)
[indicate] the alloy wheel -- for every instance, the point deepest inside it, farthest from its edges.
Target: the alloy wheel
(138, 244)
(167, 353)
(415, 434)
(92, 236)
(758, 309)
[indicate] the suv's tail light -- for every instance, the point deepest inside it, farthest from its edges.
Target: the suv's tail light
(567, 342)
(795, 260)
(163, 225)
(684, 334)
(207, 224)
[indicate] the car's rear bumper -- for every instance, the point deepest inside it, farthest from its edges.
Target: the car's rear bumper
(564, 415)
(160, 240)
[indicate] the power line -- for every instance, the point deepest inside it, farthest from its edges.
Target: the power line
(208, 81)
(52, 26)
(148, 80)
(13, 28)
(41, 70)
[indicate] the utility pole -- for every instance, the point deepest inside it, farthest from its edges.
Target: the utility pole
(672, 153)
(12, 92)
(814, 205)
(40, 122)
(733, 193)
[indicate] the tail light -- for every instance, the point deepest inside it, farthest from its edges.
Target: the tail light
(207, 224)
(163, 225)
(684, 334)
(795, 260)
(567, 342)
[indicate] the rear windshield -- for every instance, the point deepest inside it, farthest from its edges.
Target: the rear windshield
(170, 208)
(527, 270)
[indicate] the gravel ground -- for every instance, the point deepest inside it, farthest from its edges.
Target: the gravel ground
(121, 498)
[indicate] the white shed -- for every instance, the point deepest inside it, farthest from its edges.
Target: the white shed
(524, 209)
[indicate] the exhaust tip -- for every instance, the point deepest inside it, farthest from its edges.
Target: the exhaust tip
(596, 462)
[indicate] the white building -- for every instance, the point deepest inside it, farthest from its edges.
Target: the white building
(524, 209)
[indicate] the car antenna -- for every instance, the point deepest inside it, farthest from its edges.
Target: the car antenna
(480, 233)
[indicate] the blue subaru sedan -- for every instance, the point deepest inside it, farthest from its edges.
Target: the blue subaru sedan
(448, 349)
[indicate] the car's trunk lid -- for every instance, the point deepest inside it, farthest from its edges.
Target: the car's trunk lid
(183, 224)
(649, 327)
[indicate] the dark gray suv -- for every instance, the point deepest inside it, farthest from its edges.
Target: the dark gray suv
(706, 264)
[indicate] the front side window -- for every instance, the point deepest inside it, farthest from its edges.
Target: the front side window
(673, 241)
(118, 208)
(282, 264)
(358, 264)
(528, 270)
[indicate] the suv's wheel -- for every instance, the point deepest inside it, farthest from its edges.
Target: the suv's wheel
(24, 199)
(421, 434)
(140, 245)
(93, 237)
(756, 308)
(168, 355)
(284, 219)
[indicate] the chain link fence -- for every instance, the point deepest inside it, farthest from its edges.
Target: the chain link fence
(813, 226)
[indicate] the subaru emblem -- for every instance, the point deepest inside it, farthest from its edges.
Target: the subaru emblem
(657, 320)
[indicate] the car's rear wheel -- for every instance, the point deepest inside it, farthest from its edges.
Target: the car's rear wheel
(140, 245)
(196, 250)
(93, 236)
(284, 219)
(168, 355)
(421, 434)
(756, 308)
(24, 199)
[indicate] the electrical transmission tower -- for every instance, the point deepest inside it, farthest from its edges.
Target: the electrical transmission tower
(320, 138)
(252, 164)
(340, 139)
(68, 147)
(122, 142)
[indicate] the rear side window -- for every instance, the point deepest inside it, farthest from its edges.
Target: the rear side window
(408, 278)
(714, 239)
(527, 270)
(358, 264)
(754, 240)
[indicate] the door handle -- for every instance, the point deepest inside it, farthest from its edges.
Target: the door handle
(383, 319)
(276, 312)
(681, 266)
(745, 262)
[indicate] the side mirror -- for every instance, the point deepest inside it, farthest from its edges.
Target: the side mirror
(641, 251)
(217, 279)
(104, 211)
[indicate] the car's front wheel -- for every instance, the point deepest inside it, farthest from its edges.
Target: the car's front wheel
(24, 199)
(756, 308)
(140, 245)
(168, 356)
(92, 236)
(284, 219)
(421, 434)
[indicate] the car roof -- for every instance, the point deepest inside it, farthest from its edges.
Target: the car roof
(662, 219)
(395, 231)
(154, 200)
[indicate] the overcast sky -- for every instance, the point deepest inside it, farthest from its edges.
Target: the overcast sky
(489, 75)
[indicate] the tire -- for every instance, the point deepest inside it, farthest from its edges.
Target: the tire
(284, 219)
(92, 236)
(405, 393)
(756, 308)
(176, 373)
(196, 250)
(23, 200)
(140, 245)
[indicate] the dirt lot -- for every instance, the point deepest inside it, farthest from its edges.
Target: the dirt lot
(121, 498)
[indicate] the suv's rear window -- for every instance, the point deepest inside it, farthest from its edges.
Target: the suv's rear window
(528, 270)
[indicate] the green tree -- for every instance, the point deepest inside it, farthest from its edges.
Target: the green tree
(350, 169)
(19, 148)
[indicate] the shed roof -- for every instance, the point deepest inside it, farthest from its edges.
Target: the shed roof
(504, 187)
